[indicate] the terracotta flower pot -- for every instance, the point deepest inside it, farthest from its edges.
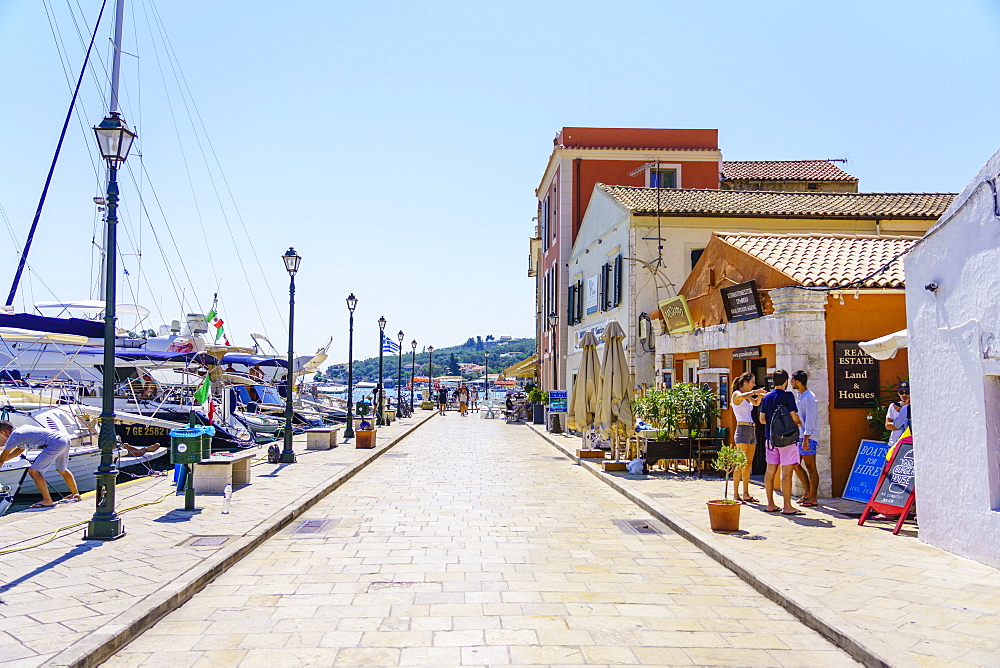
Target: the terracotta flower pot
(365, 438)
(724, 516)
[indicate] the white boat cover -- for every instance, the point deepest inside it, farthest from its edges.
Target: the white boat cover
(96, 306)
(28, 336)
(886, 347)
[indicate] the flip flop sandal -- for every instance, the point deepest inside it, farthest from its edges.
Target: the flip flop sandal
(41, 505)
(750, 499)
(794, 512)
(806, 504)
(776, 510)
(69, 499)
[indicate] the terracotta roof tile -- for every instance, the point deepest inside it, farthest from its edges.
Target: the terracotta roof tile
(631, 148)
(783, 170)
(680, 202)
(828, 260)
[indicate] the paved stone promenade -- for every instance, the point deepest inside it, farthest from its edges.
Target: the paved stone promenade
(475, 543)
(903, 601)
(70, 601)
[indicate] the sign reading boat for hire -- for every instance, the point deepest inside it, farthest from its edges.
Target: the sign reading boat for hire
(741, 301)
(855, 376)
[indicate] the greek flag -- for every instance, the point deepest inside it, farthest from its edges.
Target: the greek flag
(389, 346)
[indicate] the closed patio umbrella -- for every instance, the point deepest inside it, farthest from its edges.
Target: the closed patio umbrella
(614, 413)
(583, 405)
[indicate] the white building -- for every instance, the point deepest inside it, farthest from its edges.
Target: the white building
(953, 317)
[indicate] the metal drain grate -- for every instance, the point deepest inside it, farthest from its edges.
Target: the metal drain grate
(636, 526)
(208, 541)
(311, 526)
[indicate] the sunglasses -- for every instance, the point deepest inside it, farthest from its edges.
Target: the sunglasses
(904, 393)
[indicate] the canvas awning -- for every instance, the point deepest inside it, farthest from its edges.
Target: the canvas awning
(886, 347)
(526, 368)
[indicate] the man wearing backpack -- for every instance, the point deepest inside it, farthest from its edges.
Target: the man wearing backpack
(779, 414)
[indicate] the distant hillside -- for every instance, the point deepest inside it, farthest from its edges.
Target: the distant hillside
(503, 353)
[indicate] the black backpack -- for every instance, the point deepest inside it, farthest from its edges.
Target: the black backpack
(784, 431)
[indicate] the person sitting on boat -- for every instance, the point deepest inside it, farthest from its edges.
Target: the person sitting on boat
(55, 452)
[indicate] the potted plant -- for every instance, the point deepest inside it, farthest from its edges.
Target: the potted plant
(659, 409)
(539, 400)
(697, 405)
(364, 435)
(724, 513)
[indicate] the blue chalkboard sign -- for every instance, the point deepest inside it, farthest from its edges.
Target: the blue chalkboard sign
(557, 401)
(868, 465)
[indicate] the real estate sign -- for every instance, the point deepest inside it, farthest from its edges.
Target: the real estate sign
(855, 376)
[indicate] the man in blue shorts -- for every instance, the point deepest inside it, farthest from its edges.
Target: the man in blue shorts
(55, 452)
(806, 470)
(786, 457)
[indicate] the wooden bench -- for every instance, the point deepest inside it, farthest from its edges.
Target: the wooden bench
(212, 475)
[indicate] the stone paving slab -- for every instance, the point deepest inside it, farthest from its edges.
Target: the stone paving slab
(474, 544)
(73, 602)
(889, 600)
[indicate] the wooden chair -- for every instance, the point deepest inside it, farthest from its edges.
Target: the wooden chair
(707, 449)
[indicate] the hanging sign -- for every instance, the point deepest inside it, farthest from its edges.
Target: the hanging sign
(741, 301)
(557, 401)
(592, 295)
(867, 469)
(894, 494)
(750, 353)
(676, 315)
(855, 376)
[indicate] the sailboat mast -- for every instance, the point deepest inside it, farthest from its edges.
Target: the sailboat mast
(116, 66)
(116, 63)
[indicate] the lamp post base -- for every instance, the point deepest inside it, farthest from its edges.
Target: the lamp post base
(110, 529)
(286, 458)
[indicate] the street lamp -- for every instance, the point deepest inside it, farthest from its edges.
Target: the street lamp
(430, 370)
(413, 368)
(352, 303)
(292, 261)
(554, 324)
(399, 372)
(487, 353)
(380, 419)
(114, 139)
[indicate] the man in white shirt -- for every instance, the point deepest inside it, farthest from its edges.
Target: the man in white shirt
(806, 470)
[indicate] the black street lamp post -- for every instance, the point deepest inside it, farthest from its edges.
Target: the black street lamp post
(352, 303)
(114, 139)
(487, 353)
(413, 367)
(430, 372)
(399, 374)
(292, 261)
(380, 419)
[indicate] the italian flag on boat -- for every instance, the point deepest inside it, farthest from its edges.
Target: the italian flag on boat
(215, 321)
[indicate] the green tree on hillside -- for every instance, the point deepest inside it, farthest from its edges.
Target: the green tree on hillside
(453, 369)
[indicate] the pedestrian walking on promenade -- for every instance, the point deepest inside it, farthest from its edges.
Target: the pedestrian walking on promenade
(806, 470)
(475, 399)
(55, 452)
(443, 401)
(463, 400)
(783, 457)
(744, 399)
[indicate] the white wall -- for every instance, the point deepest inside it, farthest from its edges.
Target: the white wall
(954, 360)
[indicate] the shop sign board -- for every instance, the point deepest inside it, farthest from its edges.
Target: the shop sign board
(868, 465)
(592, 287)
(676, 315)
(704, 360)
(855, 376)
(741, 301)
(749, 353)
(895, 491)
(557, 401)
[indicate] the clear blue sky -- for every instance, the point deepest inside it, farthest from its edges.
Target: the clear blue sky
(397, 145)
